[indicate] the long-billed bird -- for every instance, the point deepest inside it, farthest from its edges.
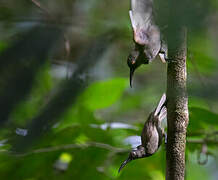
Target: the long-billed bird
(152, 134)
(146, 36)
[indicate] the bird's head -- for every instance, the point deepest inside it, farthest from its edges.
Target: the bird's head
(134, 154)
(134, 60)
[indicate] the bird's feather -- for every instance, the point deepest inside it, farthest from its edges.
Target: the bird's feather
(160, 105)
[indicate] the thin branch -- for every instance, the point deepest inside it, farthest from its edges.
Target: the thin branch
(202, 141)
(113, 149)
(64, 22)
(70, 146)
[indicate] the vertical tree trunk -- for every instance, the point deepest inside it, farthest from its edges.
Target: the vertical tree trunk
(177, 104)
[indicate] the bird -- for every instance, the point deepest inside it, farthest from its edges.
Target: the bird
(152, 134)
(146, 36)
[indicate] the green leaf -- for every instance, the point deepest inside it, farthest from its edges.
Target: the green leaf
(201, 118)
(198, 102)
(65, 157)
(81, 139)
(104, 93)
(76, 115)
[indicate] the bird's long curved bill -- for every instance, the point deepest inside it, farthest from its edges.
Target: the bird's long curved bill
(131, 76)
(124, 164)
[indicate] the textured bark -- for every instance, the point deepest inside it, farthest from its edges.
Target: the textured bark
(177, 104)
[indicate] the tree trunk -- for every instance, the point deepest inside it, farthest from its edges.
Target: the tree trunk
(177, 104)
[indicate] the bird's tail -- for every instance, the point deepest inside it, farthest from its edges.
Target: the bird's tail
(163, 113)
(161, 109)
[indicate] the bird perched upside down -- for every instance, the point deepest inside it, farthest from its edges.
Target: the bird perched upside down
(152, 134)
(146, 36)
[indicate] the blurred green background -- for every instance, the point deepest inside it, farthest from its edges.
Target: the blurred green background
(67, 111)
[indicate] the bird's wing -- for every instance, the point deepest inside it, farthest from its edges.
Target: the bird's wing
(150, 138)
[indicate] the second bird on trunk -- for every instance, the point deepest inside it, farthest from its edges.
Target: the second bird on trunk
(152, 134)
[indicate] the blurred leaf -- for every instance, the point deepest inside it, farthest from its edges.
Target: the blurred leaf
(202, 57)
(29, 107)
(131, 102)
(201, 118)
(112, 172)
(81, 139)
(76, 115)
(157, 175)
(198, 102)
(66, 157)
(104, 93)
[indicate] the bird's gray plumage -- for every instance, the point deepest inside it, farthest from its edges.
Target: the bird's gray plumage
(152, 134)
(146, 35)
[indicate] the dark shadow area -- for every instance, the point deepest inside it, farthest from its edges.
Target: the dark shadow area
(66, 94)
(20, 63)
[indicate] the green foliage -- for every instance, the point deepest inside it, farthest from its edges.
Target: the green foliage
(38, 96)
(77, 141)
(201, 119)
(103, 94)
(3, 46)
(97, 96)
(201, 55)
